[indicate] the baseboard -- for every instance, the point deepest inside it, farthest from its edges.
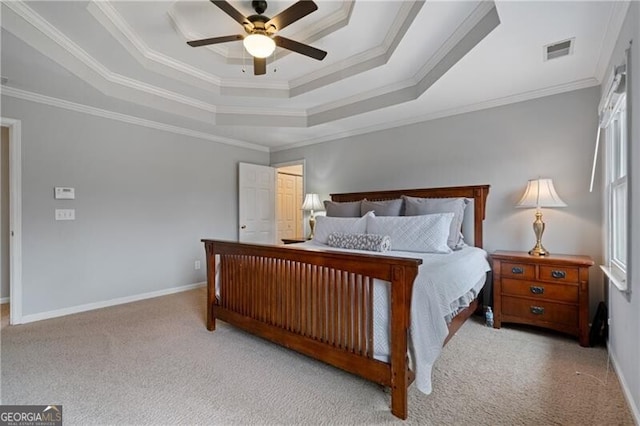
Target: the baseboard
(4, 300)
(625, 388)
(105, 304)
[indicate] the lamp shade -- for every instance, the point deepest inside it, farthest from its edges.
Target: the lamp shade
(259, 45)
(312, 202)
(540, 193)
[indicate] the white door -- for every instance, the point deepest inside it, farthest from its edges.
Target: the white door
(257, 209)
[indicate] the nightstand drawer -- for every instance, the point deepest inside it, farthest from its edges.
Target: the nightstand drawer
(534, 311)
(559, 273)
(540, 290)
(518, 270)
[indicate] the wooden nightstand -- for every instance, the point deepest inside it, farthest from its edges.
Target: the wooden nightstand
(293, 240)
(547, 291)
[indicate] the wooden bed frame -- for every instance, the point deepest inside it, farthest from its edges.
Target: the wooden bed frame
(320, 302)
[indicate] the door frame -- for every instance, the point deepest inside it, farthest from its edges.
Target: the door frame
(15, 218)
(301, 162)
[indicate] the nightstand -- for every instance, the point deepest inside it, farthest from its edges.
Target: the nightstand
(547, 291)
(293, 240)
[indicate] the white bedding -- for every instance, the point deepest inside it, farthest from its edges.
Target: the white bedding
(442, 280)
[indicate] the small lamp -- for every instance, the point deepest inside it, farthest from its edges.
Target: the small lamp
(312, 202)
(540, 193)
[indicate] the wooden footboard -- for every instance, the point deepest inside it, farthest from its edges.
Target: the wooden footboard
(317, 302)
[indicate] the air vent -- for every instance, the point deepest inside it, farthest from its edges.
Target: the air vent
(559, 49)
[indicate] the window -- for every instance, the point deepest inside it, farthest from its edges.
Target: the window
(616, 188)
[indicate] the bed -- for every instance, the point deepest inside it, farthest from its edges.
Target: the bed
(322, 301)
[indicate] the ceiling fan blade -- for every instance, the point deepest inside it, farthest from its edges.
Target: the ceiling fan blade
(292, 14)
(259, 66)
(303, 49)
(214, 40)
(233, 12)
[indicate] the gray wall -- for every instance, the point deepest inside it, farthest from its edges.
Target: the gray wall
(624, 310)
(504, 147)
(4, 213)
(144, 199)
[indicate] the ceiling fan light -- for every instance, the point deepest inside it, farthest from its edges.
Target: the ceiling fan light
(259, 45)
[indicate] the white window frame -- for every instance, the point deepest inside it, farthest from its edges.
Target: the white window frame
(616, 193)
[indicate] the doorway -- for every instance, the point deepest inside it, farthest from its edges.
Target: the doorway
(289, 197)
(12, 131)
(4, 225)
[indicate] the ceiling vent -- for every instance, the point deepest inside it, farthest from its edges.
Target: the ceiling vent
(558, 49)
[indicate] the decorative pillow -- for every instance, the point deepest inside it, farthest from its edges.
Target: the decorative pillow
(346, 209)
(424, 234)
(419, 206)
(326, 226)
(370, 242)
(382, 208)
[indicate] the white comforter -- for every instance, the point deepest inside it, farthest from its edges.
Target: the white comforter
(442, 279)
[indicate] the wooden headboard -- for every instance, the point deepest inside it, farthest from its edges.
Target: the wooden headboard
(477, 192)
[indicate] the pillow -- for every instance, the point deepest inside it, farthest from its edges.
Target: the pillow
(326, 226)
(418, 206)
(424, 234)
(382, 208)
(370, 242)
(346, 209)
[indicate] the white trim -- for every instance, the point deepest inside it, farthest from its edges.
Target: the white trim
(614, 25)
(521, 97)
(4, 300)
(619, 282)
(105, 304)
(628, 395)
(15, 217)
(72, 106)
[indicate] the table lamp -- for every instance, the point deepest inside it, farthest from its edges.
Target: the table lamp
(539, 193)
(312, 202)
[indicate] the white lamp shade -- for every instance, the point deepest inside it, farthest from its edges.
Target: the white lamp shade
(312, 202)
(259, 45)
(540, 193)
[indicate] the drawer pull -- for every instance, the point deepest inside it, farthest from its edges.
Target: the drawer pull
(537, 310)
(536, 289)
(558, 274)
(517, 270)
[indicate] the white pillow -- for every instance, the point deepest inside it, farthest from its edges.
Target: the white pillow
(327, 225)
(424, 234)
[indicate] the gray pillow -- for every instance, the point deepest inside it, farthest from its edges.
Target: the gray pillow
(370, 242)
(419, 206)
(346, 209)
(382, 208)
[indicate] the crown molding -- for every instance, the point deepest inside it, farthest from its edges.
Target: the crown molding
(363, 61)
(42, 36)
(475, 28)
(521, 97)
(111, 19)
(130, 119)
(37, 32)
(614, 25)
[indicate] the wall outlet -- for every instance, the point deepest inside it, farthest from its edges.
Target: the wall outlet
(197, 265)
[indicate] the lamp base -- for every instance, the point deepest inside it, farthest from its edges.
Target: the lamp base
(538, 229)
(538, 251)
(312, 225)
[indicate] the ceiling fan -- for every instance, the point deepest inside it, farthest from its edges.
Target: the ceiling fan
(262, 40)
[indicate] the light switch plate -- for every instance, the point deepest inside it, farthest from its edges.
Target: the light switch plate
(65, 214)
(64, 193)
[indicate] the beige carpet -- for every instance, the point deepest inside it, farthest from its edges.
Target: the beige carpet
(154, 362)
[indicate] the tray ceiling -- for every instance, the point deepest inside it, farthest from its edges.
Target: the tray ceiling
(389, 63)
